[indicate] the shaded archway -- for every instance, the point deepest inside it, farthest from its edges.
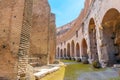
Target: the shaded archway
(65, 55)
(77, 50)
(84, 49)
(111, 35)
(93, 42)
(61, 53)
(72, 49)
(68, 50)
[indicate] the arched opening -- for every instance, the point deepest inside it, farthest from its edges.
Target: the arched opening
(111, 35)
(77, 50)
(58, 52)
(84, 49)
(65, 55)
(93, 42)
(61, 53)
(68, 50)
(72, 48)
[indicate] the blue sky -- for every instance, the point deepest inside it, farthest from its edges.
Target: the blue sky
(66, 10)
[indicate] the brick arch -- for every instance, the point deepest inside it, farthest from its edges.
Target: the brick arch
(61, 53)
(92, 38)
(84, 48)
(110, 14)
(68, 50)
(102, 14)
(111, 37)
(77, 50)
(65, 55)
(72, 48)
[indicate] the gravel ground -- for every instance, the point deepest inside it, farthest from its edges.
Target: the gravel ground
(102, 75)
(95, 75)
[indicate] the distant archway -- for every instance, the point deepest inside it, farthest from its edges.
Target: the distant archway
(65, 55)
(58, 52)
(68, 50)
(111, 35)
(84, 49)
(72, 48)
(61, 53)
(77, 50)
(93, 41)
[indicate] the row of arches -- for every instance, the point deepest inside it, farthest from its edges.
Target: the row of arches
(72, 51)
(109, 36)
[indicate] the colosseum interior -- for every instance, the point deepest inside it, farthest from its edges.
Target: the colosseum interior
(29, 37)
(94, 35)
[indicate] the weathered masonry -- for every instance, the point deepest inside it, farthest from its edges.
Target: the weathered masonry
(25, 37)
(41, 34)
(94, 35)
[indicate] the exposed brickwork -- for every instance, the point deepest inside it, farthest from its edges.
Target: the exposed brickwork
(40, 36)
(25, 38)
(17, 17)
(10, 24)
(52, 39)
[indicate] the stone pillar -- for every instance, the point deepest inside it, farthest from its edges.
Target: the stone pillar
(102, 51)
(89, 52)
(52, 38)
(74, 52)
(63, 54)
(24, 40)
(56, 56)
(89, 55)
(81, 51)
(70, 52)
(75, 57)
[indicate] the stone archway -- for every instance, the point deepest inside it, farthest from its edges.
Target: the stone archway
(111, 36)
(58, 52)
(84, 49)
(77, 50)
(72, 49)
(61, 53)
(68, 50)
(65, 55)
(93, 42)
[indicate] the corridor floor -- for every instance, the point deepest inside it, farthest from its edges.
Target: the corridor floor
(78, 71)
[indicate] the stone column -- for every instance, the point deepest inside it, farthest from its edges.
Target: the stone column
(89, 55)
(80, 51)
(52, 38)
(70, 52)
(75, 55)
(56, 53)
(74, 51)
(63, 54)
(102, 51)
